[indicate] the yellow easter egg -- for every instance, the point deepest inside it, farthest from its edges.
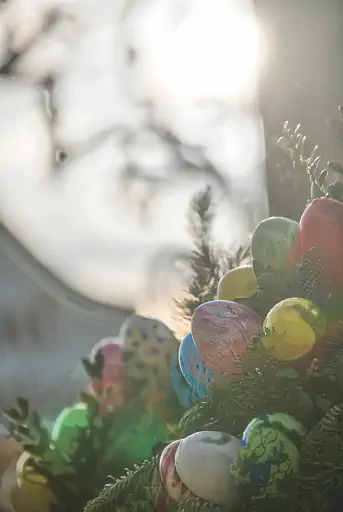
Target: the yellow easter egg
(292, 327)
(25, 470)
(239, 283)
(31, 497)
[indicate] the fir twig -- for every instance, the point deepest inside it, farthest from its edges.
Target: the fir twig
(207, 263)
(131, 492)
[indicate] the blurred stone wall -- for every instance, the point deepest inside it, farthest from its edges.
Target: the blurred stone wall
(42, 341)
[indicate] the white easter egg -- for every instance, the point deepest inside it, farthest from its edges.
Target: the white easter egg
(202, 461)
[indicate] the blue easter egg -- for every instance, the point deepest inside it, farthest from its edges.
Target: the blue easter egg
(185, 394)
(192, 365)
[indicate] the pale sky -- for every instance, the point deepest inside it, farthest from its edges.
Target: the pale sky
(76, 218)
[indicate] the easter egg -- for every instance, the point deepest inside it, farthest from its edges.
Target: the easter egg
(292, 327)
(148, 345)
(192, 365)
(169, 476)
(25, 469)
(222, 331)
(30, 493)
(321, 227)
(111, 388)
(274, 243)
(185, 394)
(67, 427)
(280, 421)
(238, 283)
(158, 494)
(202, 461)
(31, 497)
(268, 459)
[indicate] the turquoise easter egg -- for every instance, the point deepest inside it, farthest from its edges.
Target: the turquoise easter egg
(185, 394)
(196, 372)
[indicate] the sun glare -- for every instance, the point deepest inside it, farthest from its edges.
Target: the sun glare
(211, 57)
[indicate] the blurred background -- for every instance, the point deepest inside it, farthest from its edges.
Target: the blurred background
(113, 114)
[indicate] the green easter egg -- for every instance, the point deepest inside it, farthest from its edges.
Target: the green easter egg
(66, 429)
(274, 241)
(280, 421)
(268, 461)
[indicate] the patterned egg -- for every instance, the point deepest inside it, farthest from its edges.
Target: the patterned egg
(202, 460)
(67, 427)
(268, 459)
(222, 330)
(274, 243)
(169, 476)
(280, 421)
(185, 394)
(192, 365)
(292, 327)
(238, 283)
(148, 345)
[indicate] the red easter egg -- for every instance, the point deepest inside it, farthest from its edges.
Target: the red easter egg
(321, 227)
(159, 496)
(222, 331)
(169, 476)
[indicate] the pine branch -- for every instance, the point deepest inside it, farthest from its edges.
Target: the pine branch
(131, 492)
(207, 264)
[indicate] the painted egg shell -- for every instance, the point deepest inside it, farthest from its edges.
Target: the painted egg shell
(222, 330)
(109, 348)
(238, 283)
(192, 365)
(158, 494)
(280, 421)
(169, 476)
(274, 243)
(31, 497)
(292, 327)
(67, 426)
(202, 461)
(25, 469)
(108, 386)
(186, 396)
(147, 346)
(269, 460)
(321, 227)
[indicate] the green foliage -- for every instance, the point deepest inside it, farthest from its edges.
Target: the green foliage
(208, 264)
(321, 183)
(130, 492)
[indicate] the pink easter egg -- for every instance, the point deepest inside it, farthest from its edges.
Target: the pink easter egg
(169, 476)
(111, 351)
(222, 330)
(111, 388)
